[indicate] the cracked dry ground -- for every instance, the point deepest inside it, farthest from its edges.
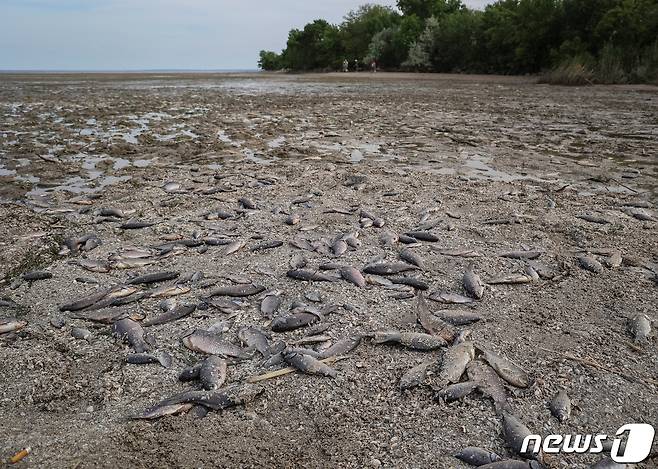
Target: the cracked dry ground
(456, 150)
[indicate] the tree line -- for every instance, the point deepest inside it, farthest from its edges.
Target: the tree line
(567, 41)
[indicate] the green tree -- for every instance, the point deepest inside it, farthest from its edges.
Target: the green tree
(361, 25)
(269, 60)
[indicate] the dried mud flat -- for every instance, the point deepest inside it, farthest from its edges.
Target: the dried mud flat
(461, 151)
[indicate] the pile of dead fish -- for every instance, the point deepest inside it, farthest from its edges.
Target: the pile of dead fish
(457, 367)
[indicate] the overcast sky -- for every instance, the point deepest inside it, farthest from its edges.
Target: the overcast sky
(154, 34)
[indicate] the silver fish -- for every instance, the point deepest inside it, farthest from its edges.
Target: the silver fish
(560, 406)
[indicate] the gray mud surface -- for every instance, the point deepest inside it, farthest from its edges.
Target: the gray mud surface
(462, 149)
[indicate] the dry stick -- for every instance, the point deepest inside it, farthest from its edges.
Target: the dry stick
(594, 364)
(285, 371)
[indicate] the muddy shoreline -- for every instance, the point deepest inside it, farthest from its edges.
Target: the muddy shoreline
(460, 150)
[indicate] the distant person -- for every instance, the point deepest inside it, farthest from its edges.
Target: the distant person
(356, 65)
(346, 65)
(374, 66)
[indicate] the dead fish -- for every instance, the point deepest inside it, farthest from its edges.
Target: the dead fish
(256, 339)
(640, 327)
(353, 275)
(472, 284)
(458, 317)
(639, 214)
(247, 203)
(86, 301)
(131, 332)
(293, 219)
(404, 239)
(237, 291)
(11, 325)
(376, 221)
(412, 340)
(459, 252)
(190, 373)
(233, 247)
(81, 333)
(162, 358)
(352, 239)
(593, 218)
(414, 282)
(614, 260)
(560, 406)
(477, 456)
(267, 245)
(270, 304)
(106, 316)
(589, 263)
(168, 291)
(172, 187)
(215, 400)
(295, 321)
(339, 247)
(515, 432)
(511, 279)
(454, 362)
(298, 261)
(131, 263)
(309, 276)
(433, 324)
(388, 238)
(457, 391)
(154, 277)
(451, 298)
(388, 268)
(521, 254)
(412, 258)
(423, 236)
(207, 342)
(164, 410)
(308, 364)
(37, 275)
(509, 371)
(212, 373)
(417, 375)
(133, 224)
(173, 314)
(111, 212)
(489, 384)
(216, 241)
(341, 347)
(92, 265)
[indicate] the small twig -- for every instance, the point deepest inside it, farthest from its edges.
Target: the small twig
(594, 364)
(285, 371)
